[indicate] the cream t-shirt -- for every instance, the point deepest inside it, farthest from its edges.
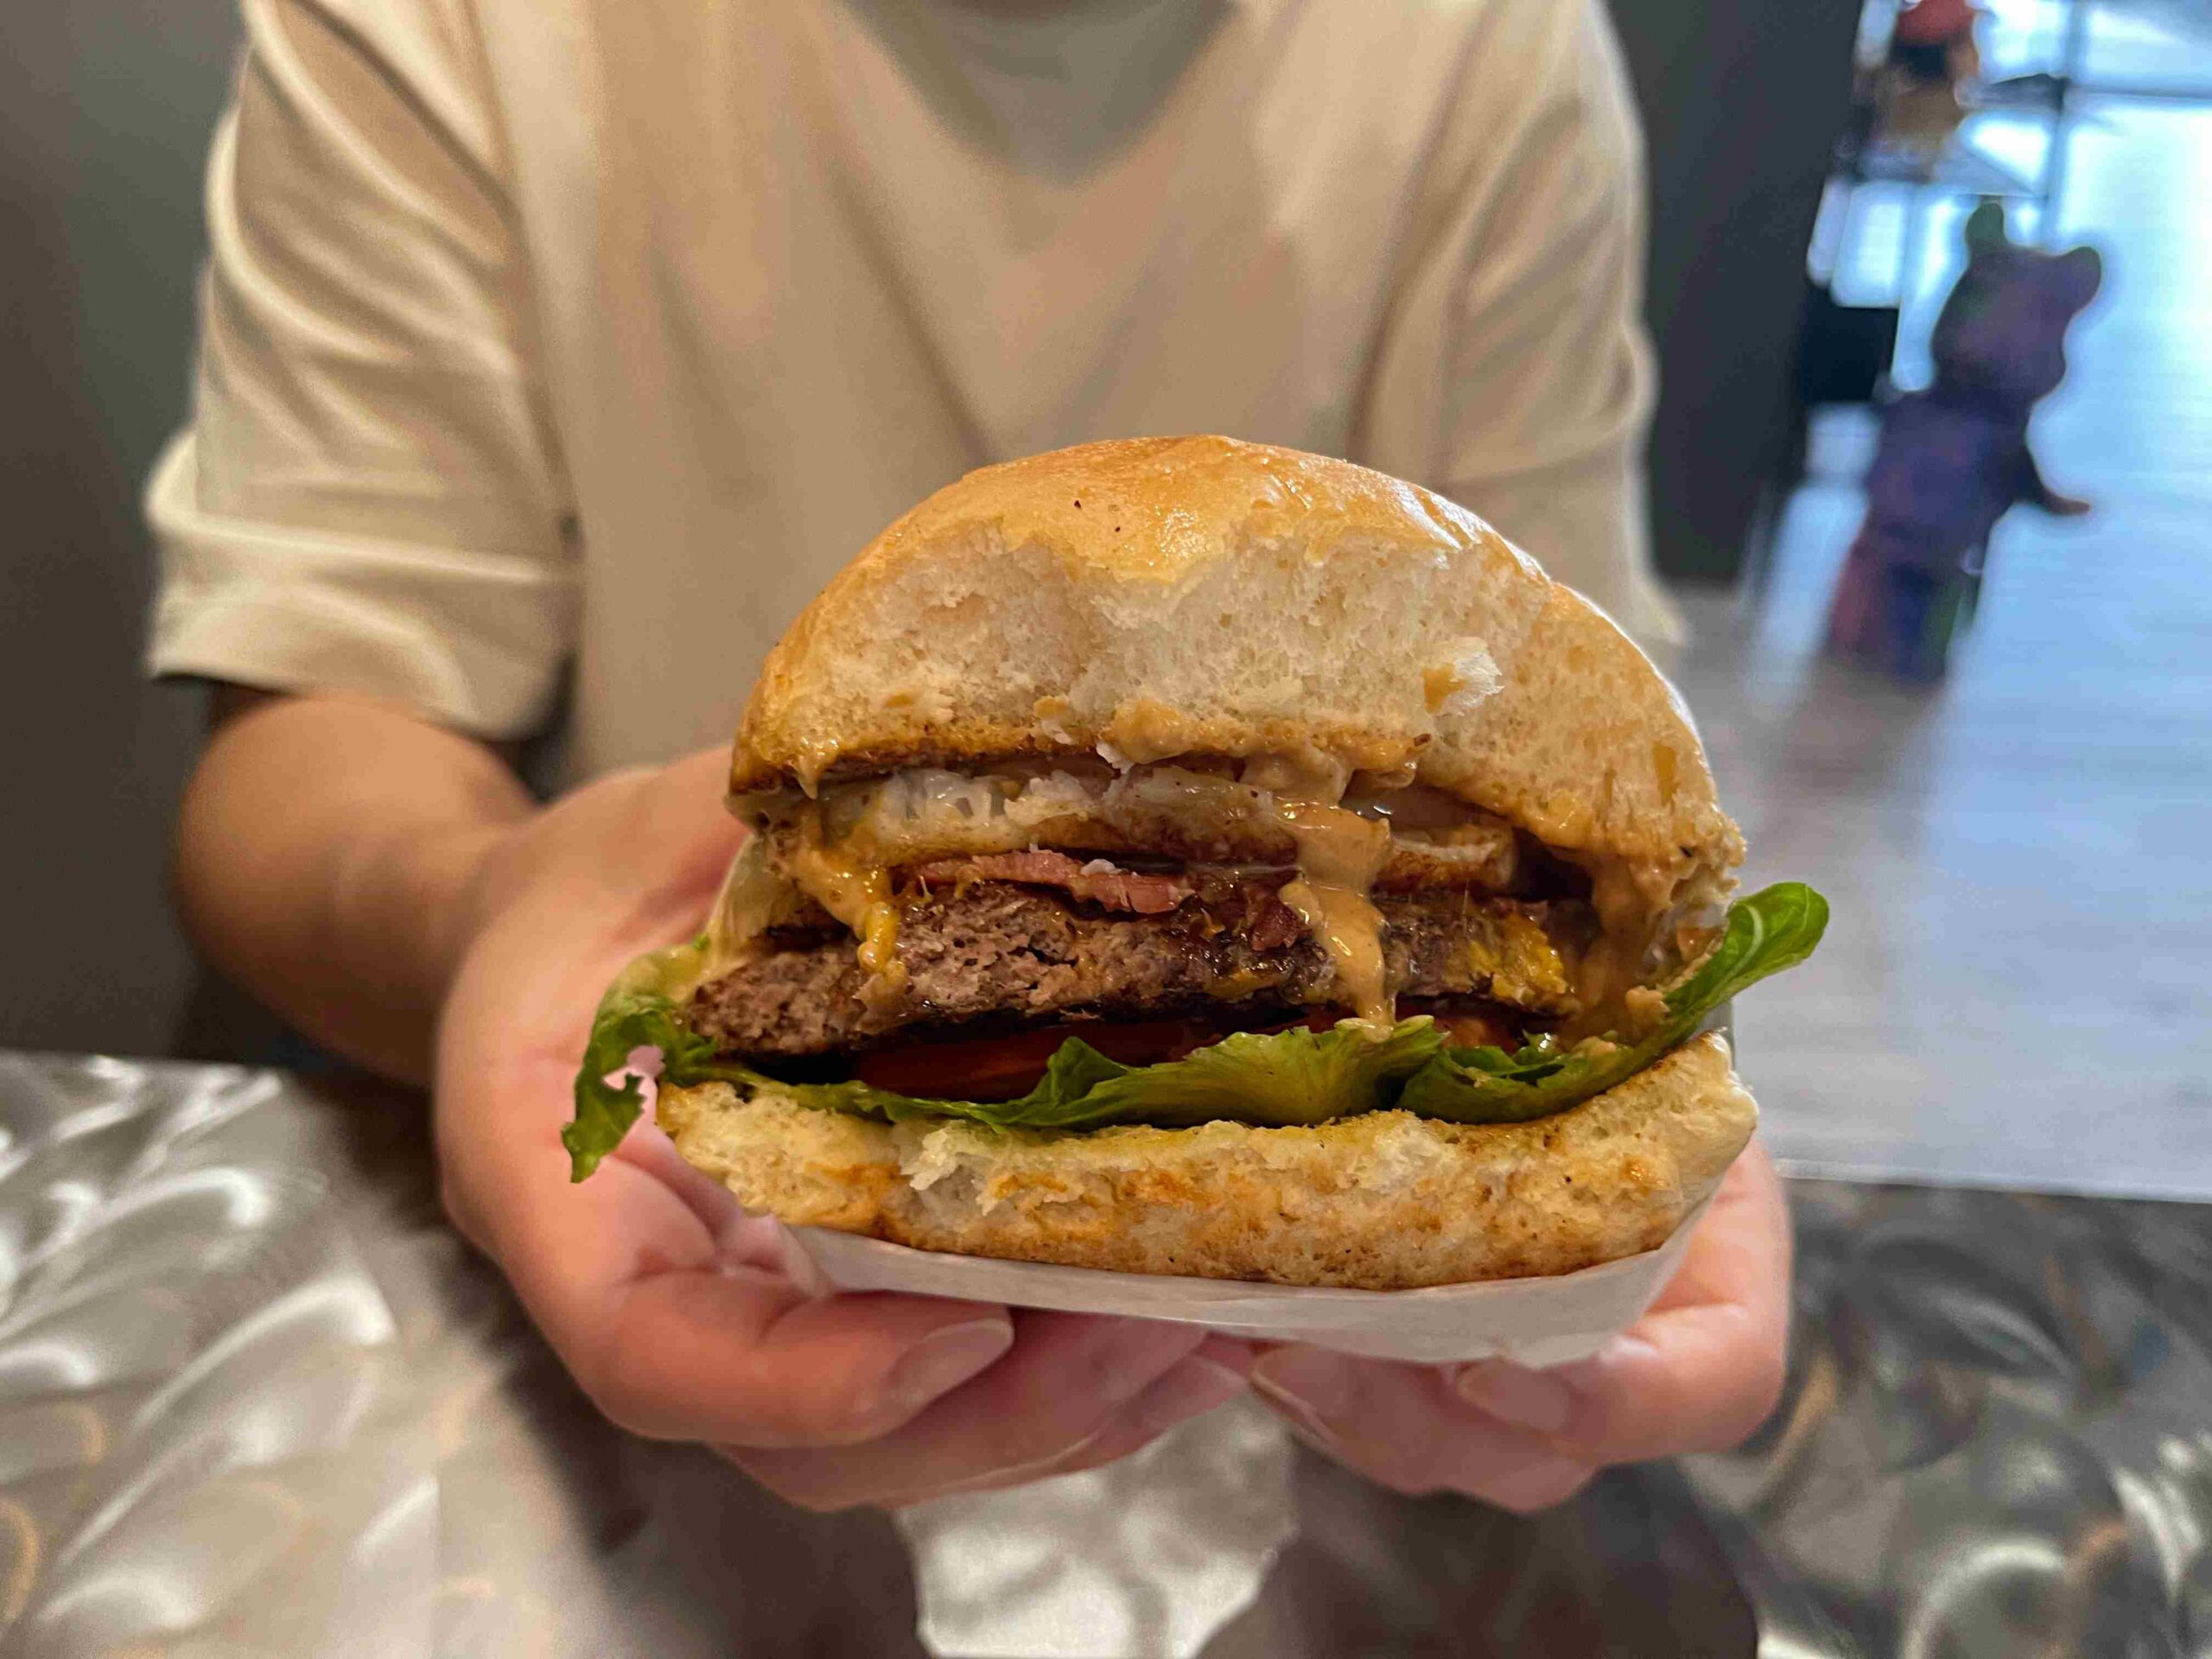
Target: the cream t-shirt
(554, 348)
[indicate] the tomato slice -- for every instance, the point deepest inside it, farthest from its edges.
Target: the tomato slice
(994, 1068)
(1000, 1068)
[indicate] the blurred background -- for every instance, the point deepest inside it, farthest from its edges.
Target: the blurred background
(2016, 989)
(2014, 847)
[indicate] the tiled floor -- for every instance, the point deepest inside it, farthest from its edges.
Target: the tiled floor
(2017, 985)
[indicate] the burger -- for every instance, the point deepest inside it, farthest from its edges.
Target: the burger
(1185, 856)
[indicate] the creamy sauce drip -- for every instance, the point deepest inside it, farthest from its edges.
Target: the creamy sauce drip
(1340, 854)
(1330, 894)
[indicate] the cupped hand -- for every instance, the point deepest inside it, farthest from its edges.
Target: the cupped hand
(664, 1298)
(1698, 1373)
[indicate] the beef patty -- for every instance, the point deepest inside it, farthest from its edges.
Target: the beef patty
(995, 949)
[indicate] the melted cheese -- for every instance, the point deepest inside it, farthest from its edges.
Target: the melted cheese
(1519, 961)
(854, 888)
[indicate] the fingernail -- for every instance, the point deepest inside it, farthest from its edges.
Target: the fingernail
(1194, 1386)
(1316, 1386)
(1542, 1401)
(944, 1360)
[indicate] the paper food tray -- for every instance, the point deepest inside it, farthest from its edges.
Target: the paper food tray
(1548, 1321)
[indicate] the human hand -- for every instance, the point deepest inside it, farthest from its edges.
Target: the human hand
(1697, 1373)
(662, 1297)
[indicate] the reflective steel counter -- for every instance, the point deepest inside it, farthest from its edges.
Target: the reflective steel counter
(256, 1399)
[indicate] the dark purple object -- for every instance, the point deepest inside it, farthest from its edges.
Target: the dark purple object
(1953, 459)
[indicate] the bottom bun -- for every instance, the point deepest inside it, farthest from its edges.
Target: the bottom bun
(1385, 1201)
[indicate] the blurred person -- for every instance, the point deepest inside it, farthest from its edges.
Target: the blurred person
(554, 354)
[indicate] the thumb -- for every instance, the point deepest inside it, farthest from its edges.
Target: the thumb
(680, 835)
(1687, 1379)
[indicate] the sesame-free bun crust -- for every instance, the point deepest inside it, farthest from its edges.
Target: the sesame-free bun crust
(1154, 597)
(1385, 1201)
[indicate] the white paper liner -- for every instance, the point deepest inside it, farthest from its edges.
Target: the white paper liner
(1548, 1321)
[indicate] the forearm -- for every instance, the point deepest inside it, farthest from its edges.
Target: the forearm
(326, 850)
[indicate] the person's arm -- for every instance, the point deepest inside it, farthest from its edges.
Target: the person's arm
(367, 516)
(327, 852)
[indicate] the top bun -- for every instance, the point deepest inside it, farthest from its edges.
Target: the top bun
(1154, 597)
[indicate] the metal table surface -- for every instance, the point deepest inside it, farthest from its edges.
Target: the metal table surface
(256, 1398)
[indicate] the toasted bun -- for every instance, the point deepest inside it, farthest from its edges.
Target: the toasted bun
(1387, 1201)
(1163, 596)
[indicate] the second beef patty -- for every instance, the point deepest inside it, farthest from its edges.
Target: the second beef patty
(997, 950)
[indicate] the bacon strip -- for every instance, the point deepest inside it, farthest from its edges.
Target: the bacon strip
(1098, 882)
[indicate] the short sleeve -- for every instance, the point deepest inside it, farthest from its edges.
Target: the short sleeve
(368, 498)
(1516, 377)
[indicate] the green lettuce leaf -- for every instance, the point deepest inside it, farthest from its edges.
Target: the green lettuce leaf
(1774, 929)
(641, 1009)
(1276, 1079)
(1271, 1079)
